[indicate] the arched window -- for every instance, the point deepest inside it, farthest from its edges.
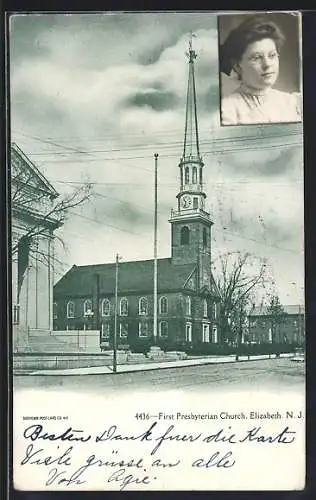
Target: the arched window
(163, 305)
(188, 332)
(205, 333)
(143, 329)
(143, 306)
(123, 330)
(106, 307)
(201, 176)
(70, 309)
(123, 307)
(204, 237)
(195, 203)
(185, 235)
(205, 312)
(188, 306)
(214, 311)
(186, 175)
(163, 329)
(105, 331)
(87, 307)
(214, 335)
(54, 310)
(194, 175)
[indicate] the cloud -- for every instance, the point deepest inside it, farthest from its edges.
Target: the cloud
(156, 100)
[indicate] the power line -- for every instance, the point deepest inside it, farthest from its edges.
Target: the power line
(261, 132)
(96, 221)
(48, 141)
(206, 153)
(224, 231)
(164, 145)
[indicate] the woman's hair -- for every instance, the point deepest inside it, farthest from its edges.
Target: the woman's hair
(251, 30)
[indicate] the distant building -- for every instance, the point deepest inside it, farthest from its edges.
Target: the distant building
(32, 244)
(188, 299)
(286, 328)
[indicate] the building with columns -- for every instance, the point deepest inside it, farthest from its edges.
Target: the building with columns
(188, 299)
(32, 247)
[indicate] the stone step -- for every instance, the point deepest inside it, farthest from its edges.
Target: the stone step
(48, 343)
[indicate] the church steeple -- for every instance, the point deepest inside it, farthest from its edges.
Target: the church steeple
(190, 223)
(191, 195)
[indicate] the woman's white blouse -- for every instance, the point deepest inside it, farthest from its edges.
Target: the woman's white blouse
(272, 107)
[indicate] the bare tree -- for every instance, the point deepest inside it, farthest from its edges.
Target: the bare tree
(238, 277)
(276, 316)
(41, 211)
(47, 216)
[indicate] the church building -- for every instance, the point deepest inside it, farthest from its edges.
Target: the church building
(32, 248)
(188, 302)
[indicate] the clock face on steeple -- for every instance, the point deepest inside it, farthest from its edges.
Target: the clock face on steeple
(186, 201)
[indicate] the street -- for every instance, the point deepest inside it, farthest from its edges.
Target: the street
(271, 374)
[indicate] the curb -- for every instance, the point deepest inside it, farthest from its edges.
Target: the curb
(56, 373)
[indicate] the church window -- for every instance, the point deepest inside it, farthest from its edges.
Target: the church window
(195, 203)
(143, 329)
(204, 237)
(188, 306)
(201, 178)
(188, 332)
(163, 329)
(105, 331)
(123, 307)
(123, 330)
(87, 307)
(194, 175)
(185, 235)
(214, 335)
(186, 175)
(215, 311)
(106, 307)
(70, 310)
(163, 305)
(205, 312)
(55, 310)
(143, 306)
(205, 333)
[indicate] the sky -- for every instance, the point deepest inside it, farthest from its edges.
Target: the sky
(94, 96)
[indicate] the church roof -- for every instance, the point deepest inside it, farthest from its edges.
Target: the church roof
(133, 277)
(288, 309)
(34, 177)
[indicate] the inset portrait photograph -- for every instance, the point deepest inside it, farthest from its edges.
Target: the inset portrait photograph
(260, 68)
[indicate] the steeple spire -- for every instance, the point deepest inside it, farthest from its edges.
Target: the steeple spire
(191, 148)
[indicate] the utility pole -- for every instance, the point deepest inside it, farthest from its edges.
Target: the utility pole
(155, 255)
(115, 316)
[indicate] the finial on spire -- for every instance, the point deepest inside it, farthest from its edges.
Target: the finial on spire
(191, 54)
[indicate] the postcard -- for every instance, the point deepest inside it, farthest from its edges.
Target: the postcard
(157, 213)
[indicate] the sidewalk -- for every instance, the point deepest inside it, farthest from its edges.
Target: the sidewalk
(107, 370)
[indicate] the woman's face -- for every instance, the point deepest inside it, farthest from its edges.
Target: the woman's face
(259, 65)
